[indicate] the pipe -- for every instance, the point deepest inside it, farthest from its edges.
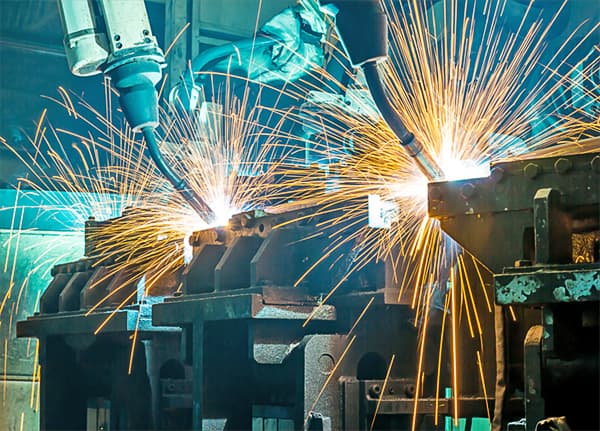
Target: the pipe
(219, 52)
(414, 148)
(195, 201)
(184, 90)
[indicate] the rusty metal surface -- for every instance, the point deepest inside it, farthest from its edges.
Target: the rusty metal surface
(551, 284)
(535, 223)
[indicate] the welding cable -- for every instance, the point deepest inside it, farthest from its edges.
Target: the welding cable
(234, 48)
(138, 98)
(192, 198)
(414, 148)
(184, 91)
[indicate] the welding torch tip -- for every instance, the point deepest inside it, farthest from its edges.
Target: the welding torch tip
(413, 147)
(428, 166)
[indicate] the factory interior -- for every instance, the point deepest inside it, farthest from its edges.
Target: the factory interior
(276, 215)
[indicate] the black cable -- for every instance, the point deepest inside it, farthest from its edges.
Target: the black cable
(192, 198)
(386, 109)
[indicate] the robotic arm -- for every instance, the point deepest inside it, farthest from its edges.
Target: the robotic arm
(114, 37)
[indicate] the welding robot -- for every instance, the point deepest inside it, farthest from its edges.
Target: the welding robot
(288, 369)
(102, 37)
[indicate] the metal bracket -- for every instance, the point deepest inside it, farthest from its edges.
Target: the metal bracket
(552, 228)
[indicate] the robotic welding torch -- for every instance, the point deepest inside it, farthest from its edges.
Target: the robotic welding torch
(414, 148)
(362, 27)
(114, 37)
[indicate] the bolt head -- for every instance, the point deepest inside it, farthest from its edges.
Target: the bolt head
(562, 166)
(532, 170)
(375, 390)
(467, 191)
(595, 164)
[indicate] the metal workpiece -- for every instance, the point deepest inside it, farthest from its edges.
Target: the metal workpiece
(397, 397)
(253, 342)
(243, 304)
(552, 228)
(89, 379)
(500, 209)
(126, 320)
(259, 249)
(78, 286)
(249, 330)
(86, 283)
(535, 223)
(243, 344)
(87, 373)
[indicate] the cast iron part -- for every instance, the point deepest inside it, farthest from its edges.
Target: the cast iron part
(528, 218)
(245, 357)
(524, 222)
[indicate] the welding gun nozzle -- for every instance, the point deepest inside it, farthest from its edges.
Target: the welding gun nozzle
(426, 163)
